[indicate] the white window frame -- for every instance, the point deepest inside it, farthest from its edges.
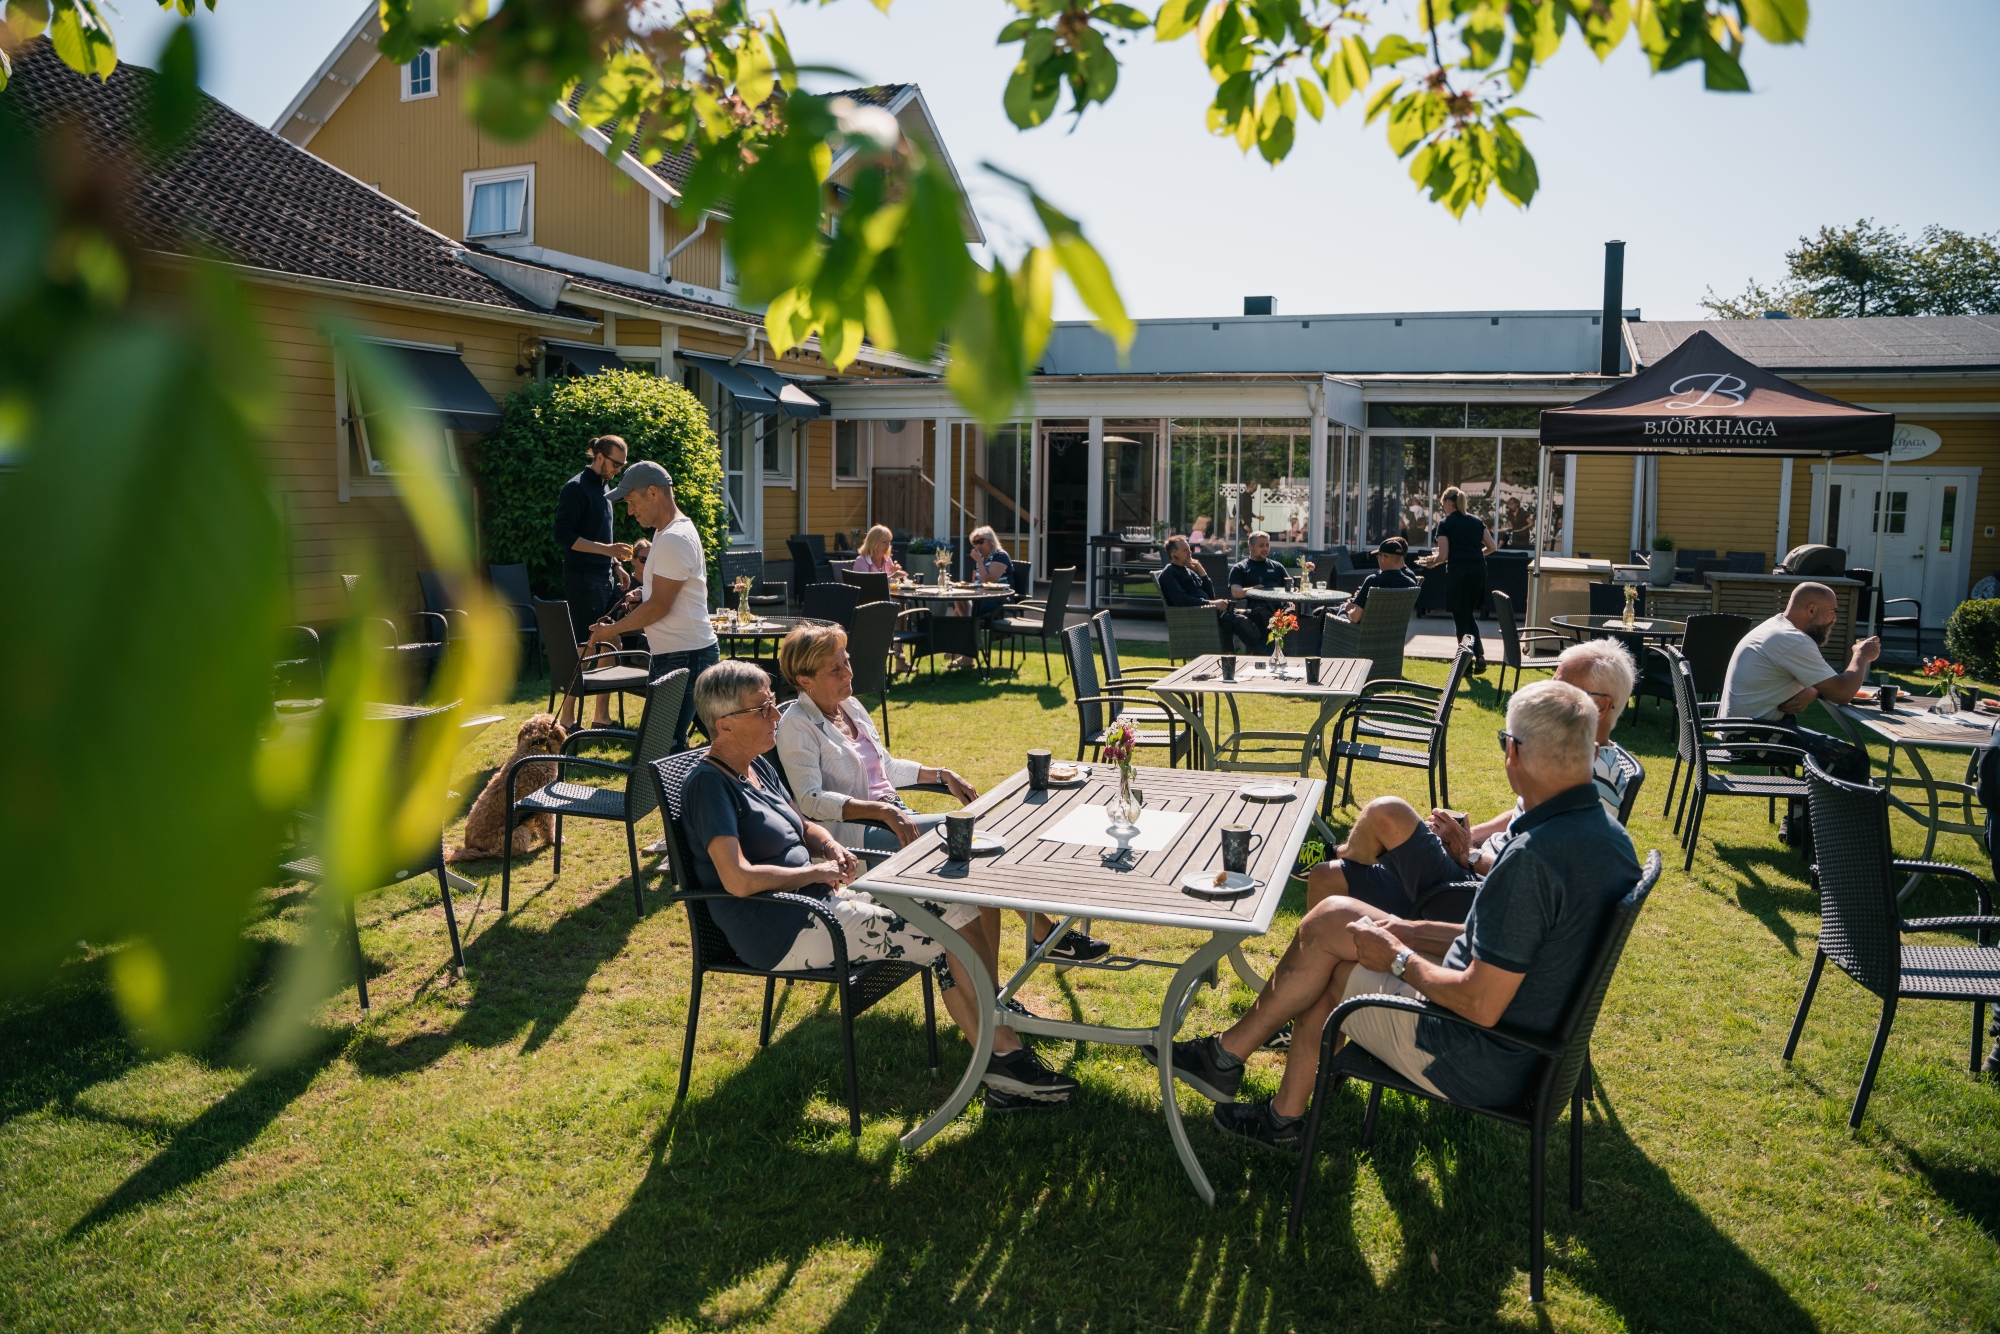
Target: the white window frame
(864, 439)
(350, 435)
(430, 56)
(779, 429)
(475, 179)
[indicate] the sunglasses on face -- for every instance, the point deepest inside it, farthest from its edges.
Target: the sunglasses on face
(1505, 737)
(769, 708)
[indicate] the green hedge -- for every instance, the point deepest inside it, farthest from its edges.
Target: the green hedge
(1972, 636)
(541, 444)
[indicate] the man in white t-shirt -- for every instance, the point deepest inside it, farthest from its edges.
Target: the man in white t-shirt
(1777, 671)
(674, 614)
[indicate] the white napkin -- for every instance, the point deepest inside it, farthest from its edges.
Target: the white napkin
(1091, 827)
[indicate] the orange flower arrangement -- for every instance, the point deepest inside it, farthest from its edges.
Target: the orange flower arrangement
(1283, 621)
(1945, 672)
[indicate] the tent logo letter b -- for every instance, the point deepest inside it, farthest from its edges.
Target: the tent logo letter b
(1725, 390)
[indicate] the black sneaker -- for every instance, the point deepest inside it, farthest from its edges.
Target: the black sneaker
(1021, 1074)
(1280, 1040)
(1002, 1103)
(1256, 1122)
(1076, 947)
(1013, 1005)
(1204, 1066)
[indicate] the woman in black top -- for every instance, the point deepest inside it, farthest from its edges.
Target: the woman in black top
(1462, 543)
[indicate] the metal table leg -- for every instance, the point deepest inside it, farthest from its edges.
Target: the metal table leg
(1172, 1008)
(989, 1013)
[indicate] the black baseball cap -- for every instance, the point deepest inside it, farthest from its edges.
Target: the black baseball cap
(1393, 546)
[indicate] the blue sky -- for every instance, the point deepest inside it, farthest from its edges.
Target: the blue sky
(1883, 113)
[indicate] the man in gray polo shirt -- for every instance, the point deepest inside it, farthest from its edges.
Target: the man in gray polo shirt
(1518, 958)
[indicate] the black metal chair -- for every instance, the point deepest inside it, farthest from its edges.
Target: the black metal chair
(1563, 1076)
(763, 596)
(1117, 677)
(809, 563)
(833, 602)
(1914, 624)
(1381, 635)
(869, 642)
(1608, 598)
(1405, 724)
(606, 672)
(1043, 623)
(1708, 643)
(1512, 640)
(1745, 562)
(1710, 744)
(858, 986)
(510, 590)
(1860, 928)
(628, 804)
(1096, 708)
(413, 647)
(1192, 632)
(439, 602)
(874, 587)
(1687, 559)
(299, 673)
(307, 866)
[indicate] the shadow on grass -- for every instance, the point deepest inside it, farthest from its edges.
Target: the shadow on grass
(62, 1042)
(1972, 1191)
(517, 977)
(756, 1206)
(1763, 895)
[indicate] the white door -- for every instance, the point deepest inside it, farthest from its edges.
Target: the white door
(1923, 549)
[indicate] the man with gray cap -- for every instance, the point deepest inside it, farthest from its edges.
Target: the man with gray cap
(674, 614)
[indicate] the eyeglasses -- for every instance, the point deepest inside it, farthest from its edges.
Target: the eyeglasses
(769, 708)
(1506, 736)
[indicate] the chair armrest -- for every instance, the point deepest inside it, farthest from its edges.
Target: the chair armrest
(1949, 923)
(1890, 602)
(1763, 752)
(1785, 736)
(583, 664)
(559, 761)
(1507, 1033)
(436, 628)
(1527, 637)
(1979, 889)
(1399, 686)
(1141, 673)
(592, 733)
(938, 788)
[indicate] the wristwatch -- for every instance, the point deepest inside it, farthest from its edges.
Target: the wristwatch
(1400, 962)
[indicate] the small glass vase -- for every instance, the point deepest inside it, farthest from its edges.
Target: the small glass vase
(1277, 655)
(1947, 702)
(1125, 807)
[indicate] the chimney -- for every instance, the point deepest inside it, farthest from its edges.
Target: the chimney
(1260, 305)
(1614, 308)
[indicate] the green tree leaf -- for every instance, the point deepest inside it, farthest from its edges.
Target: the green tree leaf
(1779, 22)
(1176, 19)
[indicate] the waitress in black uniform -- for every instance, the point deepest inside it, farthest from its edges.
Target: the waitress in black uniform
(1462, 542)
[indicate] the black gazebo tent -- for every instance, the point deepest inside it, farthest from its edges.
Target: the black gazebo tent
(1702, 398)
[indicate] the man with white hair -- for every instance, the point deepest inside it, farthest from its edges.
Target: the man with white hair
(1394, 858)
(1518, 959)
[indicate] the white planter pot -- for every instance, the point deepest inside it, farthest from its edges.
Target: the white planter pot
(1661, 566)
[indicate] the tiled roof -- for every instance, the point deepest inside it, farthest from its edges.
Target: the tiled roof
(240, 193)
(1876, 343)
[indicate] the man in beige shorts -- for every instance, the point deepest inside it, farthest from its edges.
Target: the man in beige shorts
(1518, 957)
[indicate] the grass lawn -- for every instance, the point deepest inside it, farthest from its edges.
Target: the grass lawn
(503, 1150)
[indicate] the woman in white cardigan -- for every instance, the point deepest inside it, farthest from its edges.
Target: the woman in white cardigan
(842, 774)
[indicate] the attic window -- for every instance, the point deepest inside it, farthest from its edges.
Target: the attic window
(420, 76)
(500, 204)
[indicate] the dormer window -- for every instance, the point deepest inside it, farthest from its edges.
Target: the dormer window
(420, 76)
(500, 205)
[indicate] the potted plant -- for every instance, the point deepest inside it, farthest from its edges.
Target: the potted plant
(1660, 564)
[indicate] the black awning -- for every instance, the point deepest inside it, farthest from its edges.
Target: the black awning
(445, 386)
(581, 360)
(749, 394)
(1702, 398)
(793, 400)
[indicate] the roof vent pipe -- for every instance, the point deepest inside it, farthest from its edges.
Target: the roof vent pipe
(1608, 361)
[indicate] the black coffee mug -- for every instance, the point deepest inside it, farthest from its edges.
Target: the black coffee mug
(1038, 770)
(1238, 842)
(1228, 661)
(1888, 696)
(1968, 698)
(1312, 671)
(958, 836)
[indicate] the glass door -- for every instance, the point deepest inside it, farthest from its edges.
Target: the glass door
(1128, 476)
(1066, 448)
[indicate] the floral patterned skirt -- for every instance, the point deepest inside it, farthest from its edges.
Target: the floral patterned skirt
(876, 932)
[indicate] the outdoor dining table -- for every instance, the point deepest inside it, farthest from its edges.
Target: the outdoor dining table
(1643, 629)
(1061, 858)
(1305, 598)
(754, 631)
(1948, 807)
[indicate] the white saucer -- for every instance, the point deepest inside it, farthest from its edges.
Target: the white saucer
(1269, 792)
(1236, 886)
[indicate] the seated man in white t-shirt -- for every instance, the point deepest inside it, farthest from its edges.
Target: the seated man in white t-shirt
(1777, 671)
(674, 614)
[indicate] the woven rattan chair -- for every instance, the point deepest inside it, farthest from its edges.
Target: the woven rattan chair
(1400, 723)
(1013, 625)
(1563, 1076)
(858, 986)
(510, 590)
(1857, 871)
(1117, 676)
(1192, 632)
(1385, 625)
(1712, 743)
(833, 602)
(1094, 706)
(874, 587)
(1513, 642)
(868, 646)
(1708, 643)
(307, 866)
(412, 647)
(606, 672)
(627, 804)
(763, 597)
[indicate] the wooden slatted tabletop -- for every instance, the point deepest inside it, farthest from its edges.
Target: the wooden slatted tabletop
(1203, 676)
(1912, 724)
(1059, 878)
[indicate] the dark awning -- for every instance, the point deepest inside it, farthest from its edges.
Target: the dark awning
(582, 360)
(1702, 398)
(793, 401)
(445, 386)
(750, 396)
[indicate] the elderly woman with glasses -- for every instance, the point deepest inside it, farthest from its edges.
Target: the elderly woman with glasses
(748, 840)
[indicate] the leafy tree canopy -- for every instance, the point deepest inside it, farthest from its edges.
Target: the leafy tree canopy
(1870, 270)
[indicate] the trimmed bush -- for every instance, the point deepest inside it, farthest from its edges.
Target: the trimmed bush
(1972, 636)
(541, 444)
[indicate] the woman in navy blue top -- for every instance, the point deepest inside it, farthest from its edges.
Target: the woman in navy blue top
(1462, 543)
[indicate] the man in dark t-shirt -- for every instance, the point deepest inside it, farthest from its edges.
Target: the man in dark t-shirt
(1257, 570)
(1390, 572)
(1518, 958)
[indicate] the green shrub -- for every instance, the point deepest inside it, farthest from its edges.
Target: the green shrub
(541, 444)
(1663, 543)
(1972, 636)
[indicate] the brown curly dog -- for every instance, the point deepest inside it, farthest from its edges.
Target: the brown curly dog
(486, 825)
